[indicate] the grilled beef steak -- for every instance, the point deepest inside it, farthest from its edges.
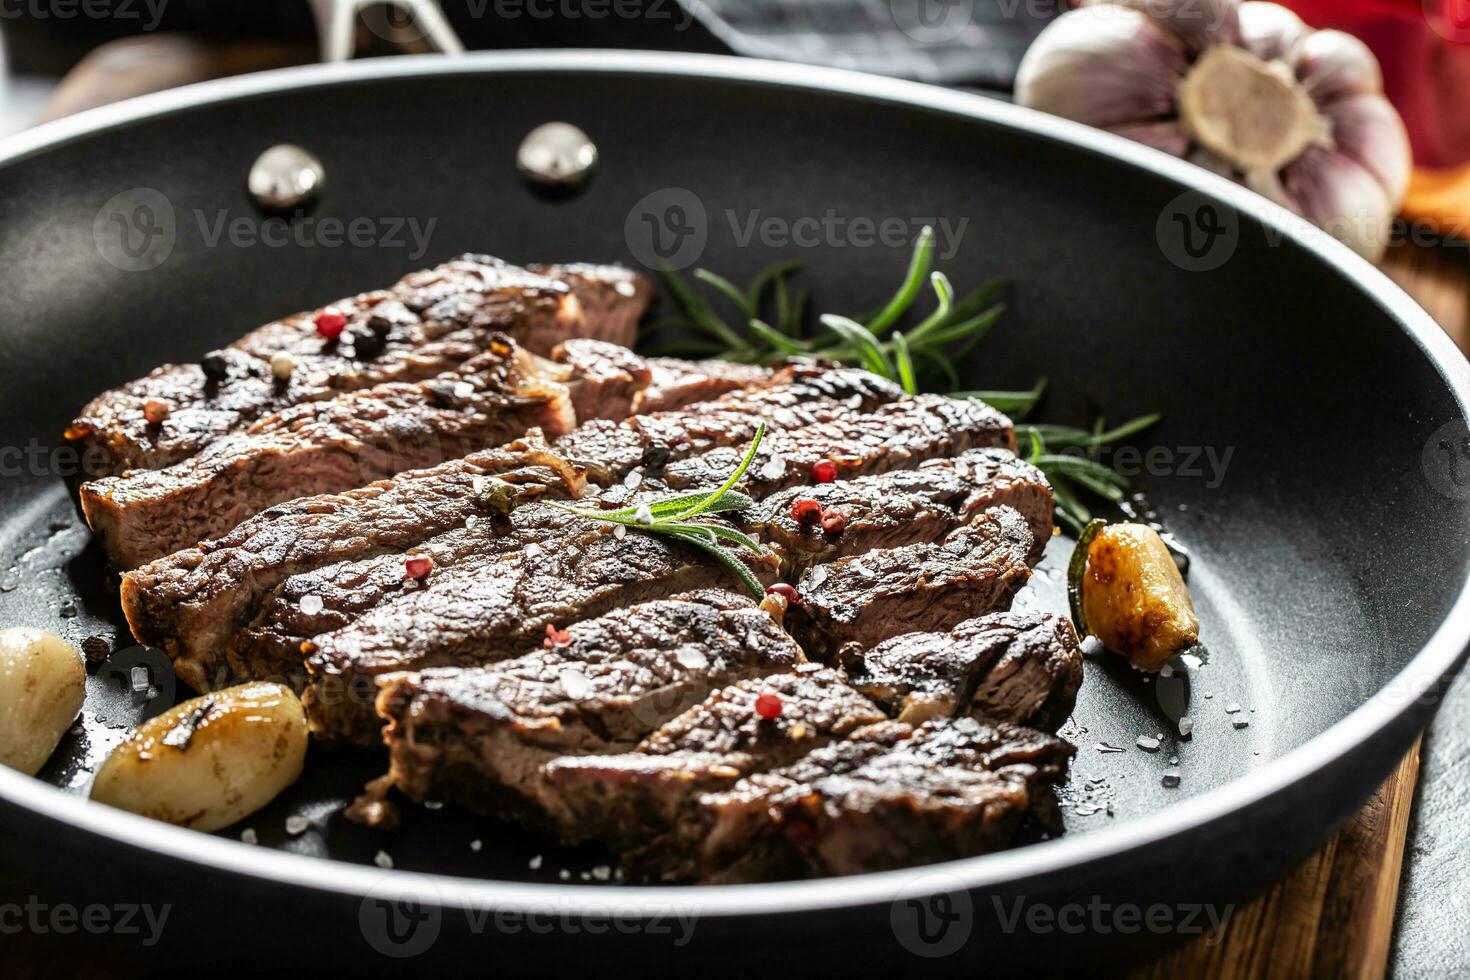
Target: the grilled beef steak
(869, 598)
(1007, 666)
(423, 326)
(326, 447)
(479, 736)
(894, 436)
(190, 601)
(888, 797)
(630, 801)
(491, 609)
(674, 385)
(329, 598)
(907, 507)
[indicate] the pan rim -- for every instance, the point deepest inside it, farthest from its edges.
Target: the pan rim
(1435, 662)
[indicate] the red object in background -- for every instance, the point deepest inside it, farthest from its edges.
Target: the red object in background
(1424, 49)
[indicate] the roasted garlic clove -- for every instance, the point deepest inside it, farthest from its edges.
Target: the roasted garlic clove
(42, 683)
(1133, 598)
(209, 762)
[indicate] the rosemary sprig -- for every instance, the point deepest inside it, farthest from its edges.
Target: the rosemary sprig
(674, 517)
(922, 357)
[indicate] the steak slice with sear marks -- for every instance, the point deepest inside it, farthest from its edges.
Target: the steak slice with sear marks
(423, 326)
(869, 598)
(330, 446)
(491, 609)
(630, 801)
(1016, 667)
(888, 797)
(906, 507)
(479, 736)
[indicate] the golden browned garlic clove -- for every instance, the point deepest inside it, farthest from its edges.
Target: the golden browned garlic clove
(209, 762)
(1133, 598)
(42, 684)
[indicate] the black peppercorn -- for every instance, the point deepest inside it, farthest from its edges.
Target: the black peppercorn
(367, 343)
(655, 457)
(214, 365)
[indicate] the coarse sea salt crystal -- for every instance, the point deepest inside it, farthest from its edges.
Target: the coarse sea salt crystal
(535, 863)
(1170, 780)
(383, 860)
(692, 658)
(602, 872)
(297, 825)
(817, 577)
(311, 604)
(620, 531)
(249, 836)
(1232, 708)
(139, 675)
(476, 844)
(633, 479)
(773, 468)
(575, 683)
(463, 389)
(1148, 744)
(1186, 726)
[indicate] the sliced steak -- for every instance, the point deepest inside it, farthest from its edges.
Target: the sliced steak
(423, 326)
(892, 436)
(326, 447)
(631, 800)
(612, 299)
(907, 507)
(802, 396)
(888, 797)
(1008, 666)
(492, 608)
(189, 602)
(673, 385)
(344, 592)
(866, 599)
(479, 736)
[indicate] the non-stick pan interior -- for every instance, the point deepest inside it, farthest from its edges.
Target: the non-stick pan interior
(1298, 458)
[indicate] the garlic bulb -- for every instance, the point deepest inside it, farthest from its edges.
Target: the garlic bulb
(1243, 89)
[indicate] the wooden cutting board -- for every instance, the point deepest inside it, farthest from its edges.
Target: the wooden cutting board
(1334, 915)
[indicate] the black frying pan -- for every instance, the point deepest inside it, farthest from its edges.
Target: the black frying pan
(1330, 562)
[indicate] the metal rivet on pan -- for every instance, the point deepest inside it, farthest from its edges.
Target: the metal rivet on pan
(556, 157)
(285, 177)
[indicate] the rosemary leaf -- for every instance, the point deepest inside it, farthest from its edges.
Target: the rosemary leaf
(913, 280)
(874, 358)
(700, 508)
(727, 288)
(1016, 404)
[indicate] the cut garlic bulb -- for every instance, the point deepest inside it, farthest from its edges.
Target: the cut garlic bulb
(1246, 90)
